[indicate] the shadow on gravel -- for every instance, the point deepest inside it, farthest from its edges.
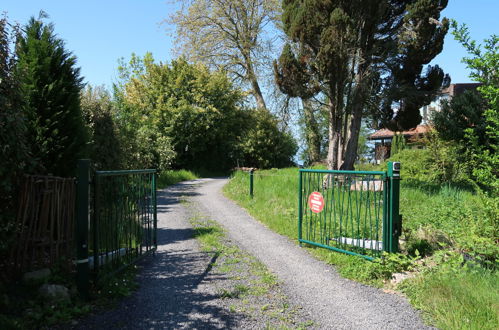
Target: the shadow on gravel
(169, 236)
(169, 297)
(175, 290)
(175, 194)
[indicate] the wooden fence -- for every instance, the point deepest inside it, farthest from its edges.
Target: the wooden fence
(45, 221)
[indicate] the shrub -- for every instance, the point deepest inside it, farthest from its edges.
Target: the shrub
(105, 147)
(441, 162)
(263, 145)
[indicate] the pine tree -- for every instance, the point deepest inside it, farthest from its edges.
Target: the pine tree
(51, 84)
(14, 152)
(368, 55)
(293, 77)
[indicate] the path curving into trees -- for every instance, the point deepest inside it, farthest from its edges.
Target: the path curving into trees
(178, 287)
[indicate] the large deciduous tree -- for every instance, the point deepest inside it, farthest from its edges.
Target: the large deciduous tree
(51, 84)
(199, 113)
(232, 35)
(294, 79)
(365, 56)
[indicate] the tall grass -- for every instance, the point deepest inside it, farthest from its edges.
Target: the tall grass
(167, 178)
(433, 216)
(457, 298)
(275, 198)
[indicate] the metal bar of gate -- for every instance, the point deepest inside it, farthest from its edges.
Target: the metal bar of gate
(353, 212)
(123, 220)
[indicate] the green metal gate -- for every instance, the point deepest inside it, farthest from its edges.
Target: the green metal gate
(116, 221)
(123, 223)
(354, 212)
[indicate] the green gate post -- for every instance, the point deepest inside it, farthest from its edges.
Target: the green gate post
(251, 182)
(394, 219)
(155, 210)
(82, 221)
(300, 206)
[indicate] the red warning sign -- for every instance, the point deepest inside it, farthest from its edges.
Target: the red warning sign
(316, 202)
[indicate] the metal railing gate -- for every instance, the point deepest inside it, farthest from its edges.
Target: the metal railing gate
(354, 212)
(116, 221)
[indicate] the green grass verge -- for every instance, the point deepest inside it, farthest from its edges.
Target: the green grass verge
(167, 178)
(456, 297)
(433, 217)
(275, 204)
(249, 283)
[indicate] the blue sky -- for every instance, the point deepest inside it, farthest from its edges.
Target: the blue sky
(100, 32)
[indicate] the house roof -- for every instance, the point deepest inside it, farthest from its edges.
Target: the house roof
(387, 134)
(456, 89)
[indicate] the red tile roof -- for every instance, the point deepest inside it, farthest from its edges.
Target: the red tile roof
(456, 89)
(387, 134)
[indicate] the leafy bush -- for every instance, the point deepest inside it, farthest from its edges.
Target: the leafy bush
(398, 143)
(105, 146)
(262, 144)
(439, 163)
(199, 113)
(481, 137)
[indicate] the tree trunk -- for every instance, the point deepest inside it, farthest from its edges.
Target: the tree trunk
(353, 141)
(257, 93)
(334, 136)
(311, 132)
(255, 86)
(332, 150)
(358, 102)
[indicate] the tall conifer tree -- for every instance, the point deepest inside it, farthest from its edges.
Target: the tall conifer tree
(51, 84)
(14, 152)
(365, 55)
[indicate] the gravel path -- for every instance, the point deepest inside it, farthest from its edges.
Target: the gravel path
(331, 301)
(178, 288)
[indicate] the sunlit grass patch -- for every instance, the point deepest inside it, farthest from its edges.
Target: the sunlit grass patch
(169, 177)
(457, 298)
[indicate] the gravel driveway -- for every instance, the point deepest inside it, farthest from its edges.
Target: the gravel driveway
(178, 288)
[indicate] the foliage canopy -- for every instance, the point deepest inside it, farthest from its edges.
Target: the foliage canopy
(14, 151)
(198, 113)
